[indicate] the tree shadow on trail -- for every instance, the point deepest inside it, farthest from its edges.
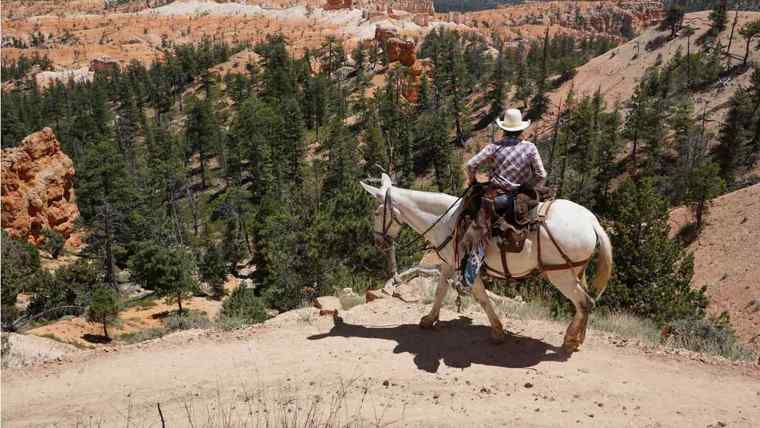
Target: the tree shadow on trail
(457, 343)
(96, 338)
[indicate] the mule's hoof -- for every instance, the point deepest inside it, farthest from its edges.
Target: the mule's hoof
(498, 336)
(427, 322)
(571, 345)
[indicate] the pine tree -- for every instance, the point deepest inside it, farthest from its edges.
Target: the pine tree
(168, 271)
(653, 272)
(290, 141)
(498, 80)
(608, 146)
(278, 71)
(106, 197)
(749, 31)
(458, 90)
(104, 308)
(202, 134)
(718, 17)
(704, 185)
(673, 19)
(375, 153)
(128, 119)
(332, 55)
(213, 269)
(733, 136)
(540, 102)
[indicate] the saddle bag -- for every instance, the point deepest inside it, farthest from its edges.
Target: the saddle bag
(512, 240)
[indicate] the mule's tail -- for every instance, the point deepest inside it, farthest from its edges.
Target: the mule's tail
(603, 269)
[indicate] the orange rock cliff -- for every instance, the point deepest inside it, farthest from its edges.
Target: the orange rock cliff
(37, 189)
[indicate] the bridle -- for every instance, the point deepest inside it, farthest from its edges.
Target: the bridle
(387, 240)
(383, 236)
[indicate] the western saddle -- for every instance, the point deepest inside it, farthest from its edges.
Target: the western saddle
(507, 217)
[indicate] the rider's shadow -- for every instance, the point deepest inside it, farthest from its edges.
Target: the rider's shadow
(458, 343)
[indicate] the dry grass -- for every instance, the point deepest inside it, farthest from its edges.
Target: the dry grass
(350, 405)
(625, 325)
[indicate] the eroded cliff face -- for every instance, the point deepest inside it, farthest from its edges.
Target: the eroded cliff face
(622, 19)
(411, 6)
(38, 189)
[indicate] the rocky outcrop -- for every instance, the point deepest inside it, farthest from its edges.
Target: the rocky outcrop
(48, 78)
(411, 6)
(37, 189)
(384, 33)
(402, 51)
(338, 4)
(104, 64)
(410, 86)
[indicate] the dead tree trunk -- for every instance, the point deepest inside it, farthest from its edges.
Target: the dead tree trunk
(731, 38)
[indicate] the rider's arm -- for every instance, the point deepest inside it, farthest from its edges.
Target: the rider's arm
(483, 155)
(538, 167)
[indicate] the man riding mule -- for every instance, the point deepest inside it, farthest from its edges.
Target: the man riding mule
(559, 247)
(515, 166)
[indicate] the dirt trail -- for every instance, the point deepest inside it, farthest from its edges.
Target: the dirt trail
(390, 372)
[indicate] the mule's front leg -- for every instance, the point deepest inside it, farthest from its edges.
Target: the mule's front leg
(497, 329)
(429, 320)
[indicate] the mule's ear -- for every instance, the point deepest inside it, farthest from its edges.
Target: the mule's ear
(386, 181)
(374, 191)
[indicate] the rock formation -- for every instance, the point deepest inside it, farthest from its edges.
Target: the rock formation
(384, 33)
(48, 78)
(338, 4)
(37, 189)
(402, 51)
(105, 64)
(411, 6)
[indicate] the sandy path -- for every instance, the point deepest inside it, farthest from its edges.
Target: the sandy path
(449, 377)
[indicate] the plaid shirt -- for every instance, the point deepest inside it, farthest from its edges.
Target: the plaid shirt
(514, 162)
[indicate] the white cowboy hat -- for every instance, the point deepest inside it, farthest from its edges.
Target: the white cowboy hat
(512, 121)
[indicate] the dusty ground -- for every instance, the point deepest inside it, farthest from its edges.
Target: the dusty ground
(725, 259)
(380, 368)
(77, 330)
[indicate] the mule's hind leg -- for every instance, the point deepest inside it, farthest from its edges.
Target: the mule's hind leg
(497, 329)
(429, 320)
(571, 288)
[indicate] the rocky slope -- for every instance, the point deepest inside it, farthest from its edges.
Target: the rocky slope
(37, 189)
(616, 73)
(725, 259)
(84, 31)
(616, 19)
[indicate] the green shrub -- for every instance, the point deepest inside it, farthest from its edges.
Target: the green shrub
(143, 335)
(168, 271)
(707, 336)
(244, 305)
(20, 264)
(213, 269)
(190, 320)
(54, 242)
(68, 286)
(104, 307)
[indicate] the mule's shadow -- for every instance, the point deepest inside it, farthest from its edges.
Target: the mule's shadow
(458, 343)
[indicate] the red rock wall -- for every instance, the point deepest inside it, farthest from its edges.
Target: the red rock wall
(37, 189)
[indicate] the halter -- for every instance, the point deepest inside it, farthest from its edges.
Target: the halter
(387, 204)
(387, 240)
